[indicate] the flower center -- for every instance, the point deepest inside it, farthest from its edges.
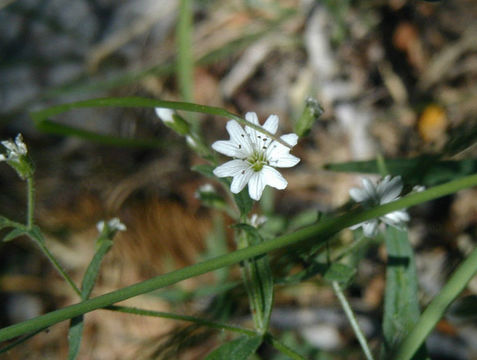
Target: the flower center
(257, 160)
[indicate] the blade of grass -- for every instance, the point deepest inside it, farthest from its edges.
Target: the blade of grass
(317, 233)
(42, 122)
(401, 304)
(185, 61)
(436, 309)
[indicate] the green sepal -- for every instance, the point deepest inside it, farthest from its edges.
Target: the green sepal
(311, 113)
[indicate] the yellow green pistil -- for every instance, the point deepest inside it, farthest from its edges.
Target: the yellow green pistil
(257, 160)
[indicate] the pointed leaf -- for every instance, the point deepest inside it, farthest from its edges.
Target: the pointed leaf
(75, 334)
(239, 349)
(14, 234)
(401, 306)
(425, 170)
(258, 279)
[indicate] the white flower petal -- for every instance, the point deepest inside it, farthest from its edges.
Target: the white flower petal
(370, 228)
(229, 148)
(256, 185)
(240, 180)
(358, 194)
(395, 217)
(291, 139)
(389, 190)
(273, 178)
(2, 157)
(271, 124)
(9, 145)
(231, 168)
(252, 117)
(239, 136)
(285, 161)
(21, 147)
(370, 188)
(165, 114)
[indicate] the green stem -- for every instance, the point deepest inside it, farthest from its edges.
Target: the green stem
(284, 349)
(185, 61)
(319, 232)
(56, 265)
(352, 319)
(193, 319)
(30, 201)
(41, 118)
(436, 309)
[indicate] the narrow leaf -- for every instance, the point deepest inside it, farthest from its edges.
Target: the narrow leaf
(239, 349)
(92, 271)
(258, 279)
(41, 118)
(75, 335)
(401, 306)
(14, 234)
(422, 170)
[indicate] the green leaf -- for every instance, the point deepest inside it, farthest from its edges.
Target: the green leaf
(42, 122)
(239, 349)
(206, 170)
(340, 273)
(425, 170)
(75, 333)
(5, 222)
(92, 271)
(401, 305)
(258, 279)
(244, 202)
(14, 234)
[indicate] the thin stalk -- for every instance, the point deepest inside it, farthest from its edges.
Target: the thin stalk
(192, 319)
(284, 349)
(56, 265)
(436, 309)
(352, 319)
(319, 233)
(30, 201)
(185, 60)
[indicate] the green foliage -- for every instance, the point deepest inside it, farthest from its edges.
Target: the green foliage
(311, 113)
(75, 333)
(340, 273)
(425, 170)
(401, 305)
(239, 349)
(258, 279)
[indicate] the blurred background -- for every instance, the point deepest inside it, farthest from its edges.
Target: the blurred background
(396, 78)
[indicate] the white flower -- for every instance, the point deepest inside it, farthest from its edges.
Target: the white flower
(165, 114)
(387, 190)
(113, 225)
(204, 189)
(257, 220)
(14, 149)
(255, 156)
